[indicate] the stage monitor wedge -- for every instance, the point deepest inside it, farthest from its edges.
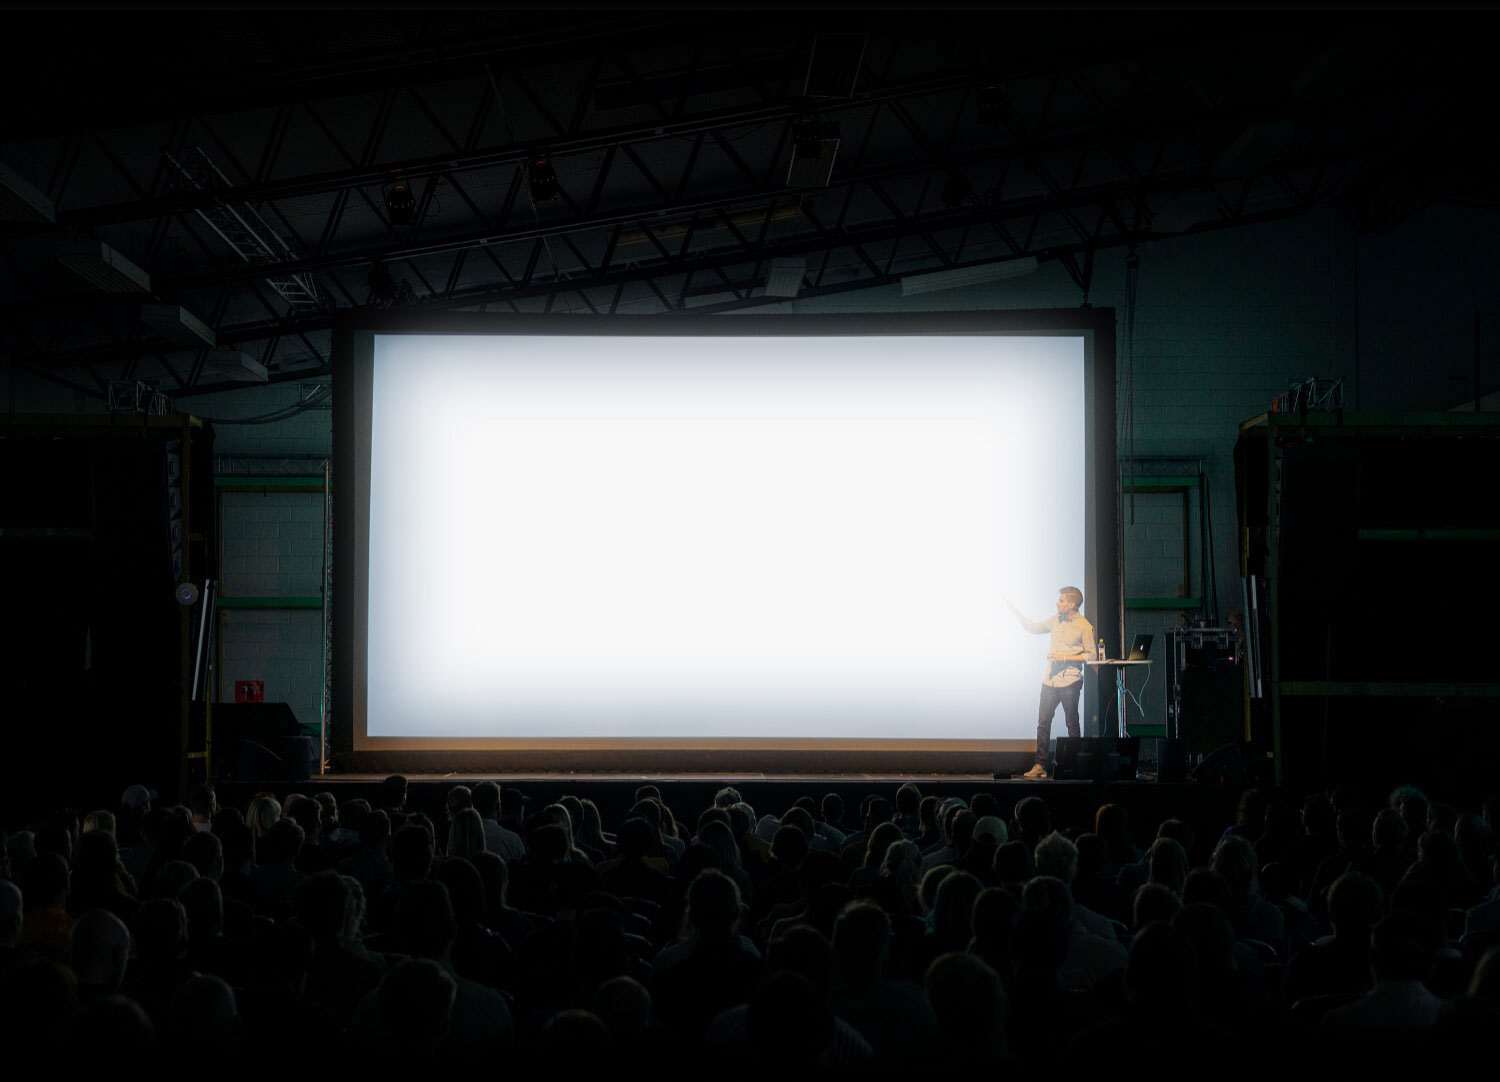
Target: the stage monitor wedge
(713, 542)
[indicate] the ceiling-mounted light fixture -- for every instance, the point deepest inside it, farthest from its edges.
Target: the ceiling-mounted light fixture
(814, 146)
(104, 267)
(233, 366)
(958, 277)
(20, 202)
(177, 324)
(541, 177)
(785, 277)
(992, 102)
(400, 204)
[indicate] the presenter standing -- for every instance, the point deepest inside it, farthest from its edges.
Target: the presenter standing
(1073, 643)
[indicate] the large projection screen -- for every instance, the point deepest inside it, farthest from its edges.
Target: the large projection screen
(752, 533)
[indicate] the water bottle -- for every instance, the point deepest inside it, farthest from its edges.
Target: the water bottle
(1101, 649)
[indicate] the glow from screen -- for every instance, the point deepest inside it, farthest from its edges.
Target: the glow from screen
(689, 537)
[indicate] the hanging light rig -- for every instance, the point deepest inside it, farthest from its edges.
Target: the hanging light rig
(400, 204)
(541, 177)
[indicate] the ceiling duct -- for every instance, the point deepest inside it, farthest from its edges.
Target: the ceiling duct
(814, 147)
(178, 325)
(959, 277)
(232, 365)
(102, 266)
(1254, 147)
(20, 202)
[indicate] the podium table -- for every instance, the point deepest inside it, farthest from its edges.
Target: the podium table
(1119, 667)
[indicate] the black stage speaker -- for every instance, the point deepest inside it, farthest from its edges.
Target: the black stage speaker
(1171, 761)
(260, 741)
(1226, 766)
(1107, 758)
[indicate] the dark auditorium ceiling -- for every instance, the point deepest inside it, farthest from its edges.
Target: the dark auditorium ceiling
(245, 162)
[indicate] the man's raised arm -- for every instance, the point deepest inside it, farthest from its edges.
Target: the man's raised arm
(1030, 625)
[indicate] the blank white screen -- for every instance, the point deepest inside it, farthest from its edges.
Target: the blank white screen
(751, 537)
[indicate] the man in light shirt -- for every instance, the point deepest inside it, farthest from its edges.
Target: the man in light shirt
(1073, 643)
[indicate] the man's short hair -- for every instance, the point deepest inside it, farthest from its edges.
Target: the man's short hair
(726, 796)
(1057, 857)
(1073, 594)
(487, 799)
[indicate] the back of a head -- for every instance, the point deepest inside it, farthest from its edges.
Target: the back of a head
(908, 799)
(932, 879)
(635, 838)
(713, 904)
(393, 792)
(1153, 902)
(963, 829)
(878, 841)
(205, 852)
(284, 840)
(486, 798)
(953, 908)
(788, 1023)
(877, 811)
(411, 853)
(801, 819)
(805, 950)
(968, 1000)
(322, 904)
(416, 1004)
(1058, 857)
(1234, 859)
(572, 1039)
(1178, 830)
(861, 938)
(1208, 929)
(1390, 830)
(458, 798)
(624, 1005)
(172, 876)
(46, 882)
(1207, 885)
(1033, 819)
(726, 796)
(1014, 862)
(203, 902)
(1049, 893)
(375, 832)
(99, 948)
(465, 889)
(159, 931)
(1161, 968)
(831, 808)
(424, 919)
(1355, 903)
(1426, 899)
(107, 1030)
(465, 833)
(994, 910)
(1167, 864)
(1038, 940)
(201, 800)
(1403, 947)
(790, 846)
(202, 1014)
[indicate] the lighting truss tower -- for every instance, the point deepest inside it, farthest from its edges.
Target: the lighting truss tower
(244, 230)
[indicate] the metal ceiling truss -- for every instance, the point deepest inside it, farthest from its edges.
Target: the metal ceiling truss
(681, 234)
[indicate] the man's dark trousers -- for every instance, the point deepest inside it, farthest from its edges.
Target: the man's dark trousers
(1067, 696)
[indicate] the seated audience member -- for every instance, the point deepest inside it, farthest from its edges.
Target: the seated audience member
(711, 968)
(407, 1021)
(99, 880)
(633, 872)
(890, 1013)
(236, 882)
(1132, 875)
(1112, 825)
(160, 936)
(105, 1028)
(46, 924)
(10, 925)
(341, 825)
(465, 834)
(98, 953)
(1153, 902)
(1057, 857)
(877, 844)
(1014, 867)
(808, 953)
(1167, 865)
(1094, 886)
(929, 833)
(908, 809)
(411, 862)
(340, 976)
(1338, 963)
(1439, 863)
(478, 952)
(1389, 856)
(1033, 821)
(994, 912)
(203, 1019)
(370, 863)
(897, 882)
(1399, 1009)
(1090, 959)
(1161, 978)
(958, 831)
(511, 924)
(831, 819)
(260, 815)
(1043, 1014)
(1353, 833)
(315, 855)
(203, 803)
(1227, 996)
(497, 838)
(574, 1042)
(278, 875)
(1451, 970)
(950, 921)
(1253, 917)
(481, 1028)
(969, 1002)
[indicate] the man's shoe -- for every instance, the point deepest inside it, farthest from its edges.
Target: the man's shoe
(1038, 771)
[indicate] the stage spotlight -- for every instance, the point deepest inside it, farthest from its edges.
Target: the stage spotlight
(187, 594)
(807, 138)
(993, 103)
(400, 204)
(541, 177)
